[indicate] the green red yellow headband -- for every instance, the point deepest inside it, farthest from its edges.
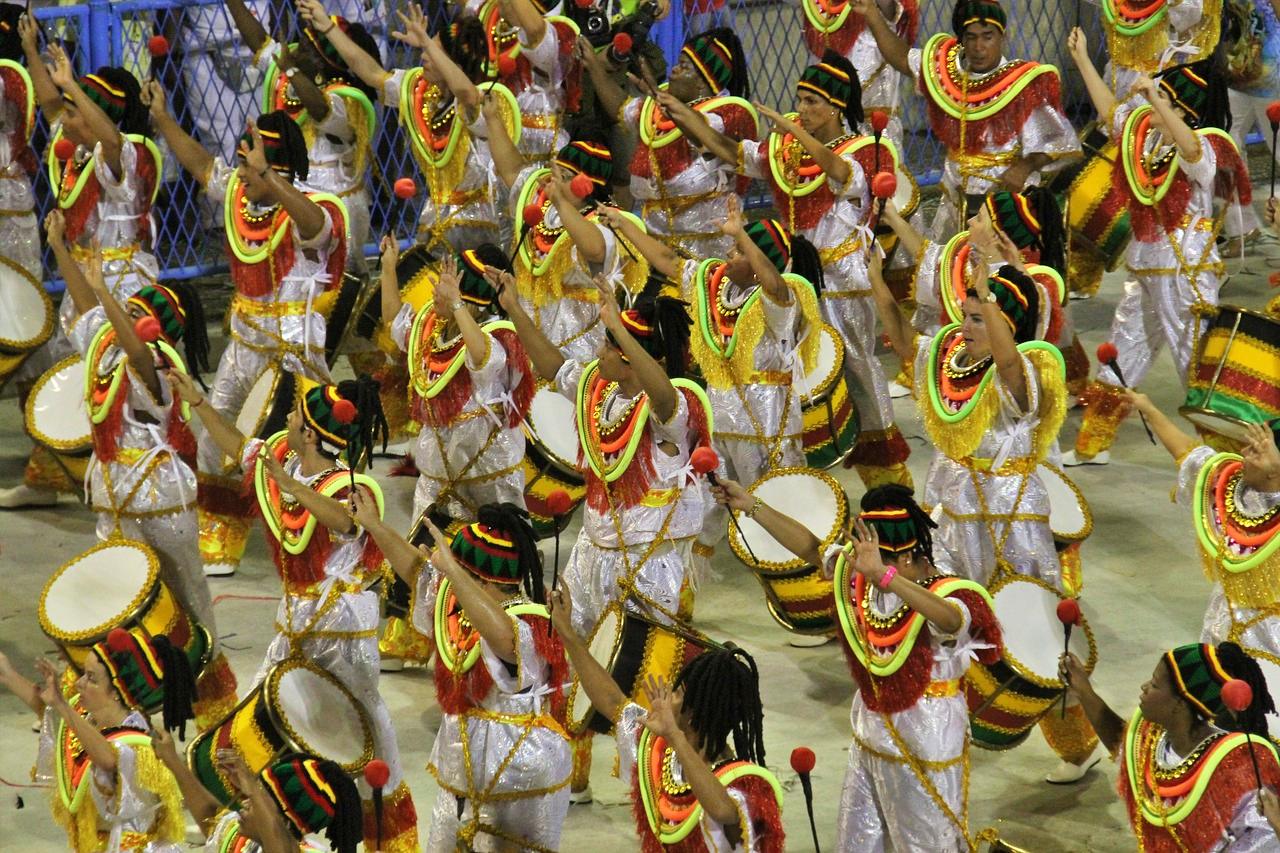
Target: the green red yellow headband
(109, 99)
(1198, 677)
(302, 793)
(1011, 299)
(712, 58)
(970, 12)
(163, 304)
(587, 158)
(894, 528)
(328, 413)
(1012, 213)
(133, 667)
(1186, 89)
(828, 82)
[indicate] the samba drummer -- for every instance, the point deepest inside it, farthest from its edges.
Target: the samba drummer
(906, 780)
(1176, 164)
(106, 172)
(992, 398)
(326, 562)
(1001, 120)
(682, 193)
(286, 249)
(639, 423)
(694, 762)
(501, 755)
(817, 168)
(1187, 778)
(112, 791)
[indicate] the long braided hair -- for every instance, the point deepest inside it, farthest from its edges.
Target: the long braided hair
(898, 496)
(464, 41)
(292, 151)
(370, 423)
(195, 335)
(806, 262)
(1253, 719)
(514, 521)
(722, 696)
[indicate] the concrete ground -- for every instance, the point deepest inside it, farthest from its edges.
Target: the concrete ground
(1144, 592)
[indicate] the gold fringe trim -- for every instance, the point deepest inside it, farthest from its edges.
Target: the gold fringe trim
(548, 288)
(749, 329)
(1255, 588)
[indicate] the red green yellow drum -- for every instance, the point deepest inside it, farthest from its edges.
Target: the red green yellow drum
(1234, 378)
(829, 416)
(551, 459)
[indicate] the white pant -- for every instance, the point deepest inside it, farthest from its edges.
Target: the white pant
(1247, 113)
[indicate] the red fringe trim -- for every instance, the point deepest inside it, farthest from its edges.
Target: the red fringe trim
(179, 434)
(458, 694)
(629, 489)
(842, 40)
(806, 211)
(983, 625)
(979, 135)
(673, 158)
(305, 569)
(518, 359)
(880, 452)
(444, 408)
(148, 170)
(399, 816)
(77, 216)
(1233, 175)
(899, 691)
(1148, 221)
(218, 498)
(15, 92)
(337, 265)
(106, 435)
(550, 648)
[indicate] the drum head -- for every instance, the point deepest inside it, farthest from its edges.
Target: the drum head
(907, 196)
(604, 641)
(811, 497)
(57, 415)
(552, 428)
(97, 591)
(26, 313)
(319, 714)
(1270, 666)
(1027, 610)
(1069, 515)
(1233, 428)
(828, 367)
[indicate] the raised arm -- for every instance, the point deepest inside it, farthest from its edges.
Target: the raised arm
(389, 283)
(1004, 349)
(483, 612)
(942, 614)
(695, 126)
(896, 327)
(448, 303)
(893, 47)
(543, 354)
(82, 298)
(605, 695)
(251, 29)
(507, 159)
(109, 137)
(789, 533)
(26, 690)
(466, 92)
(831, 163)
(307, 216)
(1104, 100)
(661, 257)
(47, 92)
(653, 379)
(607, 90)
(585, 234)
(140, 356)
(766, 273)
(96, 746)
(313, 98)
(523, 15)
(364, 66)
(190, 153)
(330, 512)
(910, 239)
(1177, 442)
(223, 432)
(1187, 140)
(1106, 723)
(201, 805)
(406, 560)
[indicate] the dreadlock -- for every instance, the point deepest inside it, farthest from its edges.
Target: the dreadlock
(806, 262)
(514, 521)
(722, 696)
(292, 143)
(370, 423)
(136, 116)
(464, 41)
(1053, 238)
(671, 321)
(179, 685)
(1240, 665)
(898, 496)
(363, 40)
(346, 829)
(195, 335)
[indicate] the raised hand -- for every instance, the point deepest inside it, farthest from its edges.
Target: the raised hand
(272, 464)
(390, 247)
(50, 695)
(55, 226)
(315, 15)
(184, 387)
(253, 151)
(163, 746)
(29, 33)
(1078, 46)
(731, 494)
(1260, 453)
(414, 23)
(364, 509)
(610, 314)
(1072, 673)
(866, 551)
(505, 283)
(561, 606)
(153, 97)
(61, 72)
(447, 291)
(661, 718)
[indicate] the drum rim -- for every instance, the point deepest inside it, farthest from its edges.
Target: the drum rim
(575, 724)
(261, 421)
(565, 466)
(910, 207)
(1188, 411)
(77, 447)
(99, 632)
(46, 329)
(842, 511)
(1087, 529)
(271, 693)
(1240, 309)
(1018, 666)
(827, 386)
(774, 605)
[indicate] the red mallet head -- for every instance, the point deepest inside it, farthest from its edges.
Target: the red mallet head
(158, 46)
(884, 185)
(1274, 279)
(64, 149)
(119, 640)
(1069, 611)
(377, 773)
(803, 759)
(344, 411)
(558, 502)
(582, 4)
(704, 460)
(405, 188)
(148, 328)
(1237, 695)
(581, 185)
(532, 215)
(622, 44)
(506, 65)
(879, 120)
(1107, 353)
(1273, 114)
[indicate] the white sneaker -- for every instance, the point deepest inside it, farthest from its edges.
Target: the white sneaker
(1077, 296)
(219, 570)
(808, 641)
(897, 391)
(1067, 773)
(580, 798)
(1071, 460)
(22, 496)
(390, 664)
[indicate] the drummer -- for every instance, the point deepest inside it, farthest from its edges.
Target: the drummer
(286, 247)
(470, 387)
(917, 704)
(1178, 165)
(326, 562)
(501, 756)
(643, 506)
(1187, 783)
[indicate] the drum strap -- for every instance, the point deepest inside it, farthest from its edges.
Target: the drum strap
(998, 541)
(627, 583)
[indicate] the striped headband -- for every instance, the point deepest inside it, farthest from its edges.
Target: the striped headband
(1012, 214)
(829, 82)
(324, 410)
(108, 98)
(771, 238)
(1010, 297)
(163, 304)
(587, 158)
(1198, 677)
(894, 528)
(134, 668)
(969, 12)
(1187, 89)
(713, 59)
(302, 793)
(489, 553)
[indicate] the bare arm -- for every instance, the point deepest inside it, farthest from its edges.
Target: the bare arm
(585, 235)
(47, 92)
(1177, 442)
(525, 16)
(448, 303)
(1004, 349)
(830, 162)
(601, 689)
(104, 130)
(893, 47)
(190, 153)
(82, 297)
(313, 98)
(653, 379)
(767, 275)
(251, 29)
(96, 746)
(307, 216)
(694, 125)
(607, 90)
(364, 66)
(789, 533)
(25, 689)
(507, 159)
(489, 619)
(1104, 100)
(201, 805)
(466, 92)
(406, 560)
(1187, 140)
(140, 356)
(943, 614)
(661, 257)
(546, 359)
(330, 512)
(223, 432)
(910, 239)
(389, 282)
(1106, 723)
(896, 328)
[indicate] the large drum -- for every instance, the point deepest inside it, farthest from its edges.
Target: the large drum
(551, 458)
(1069, 516)
(116, 584)
(26, 317)
(907, 200)
(1234, 378)
(1007, 698)
(1095, 212)
(57, 416)
(829, 416)
(633, 647)
(342, 309)
(297, 707)
(798, 597)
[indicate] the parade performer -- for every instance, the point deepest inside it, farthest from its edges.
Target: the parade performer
(326, 562)
(333, 107)
(1001, 120)
(819, 172)
(1149, 38)
(1176, 165)
(105, 177)
(287, 251)
(140, 479)
(691, 788)
(501, 756)
(111, 791)
(908, 765)
(838, 27)
(1187, 778)
(682, 193)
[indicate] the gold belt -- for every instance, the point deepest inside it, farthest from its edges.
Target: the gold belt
(1018, 465)
(851, 244)
(942, 689)
(540, 121)
(250, 307)
(678, 202)
(768, 377)
(1203, 223)
(83, 254)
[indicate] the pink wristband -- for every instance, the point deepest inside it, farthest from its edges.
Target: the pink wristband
(888, 576)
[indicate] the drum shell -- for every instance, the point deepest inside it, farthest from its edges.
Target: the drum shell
(1097, 217)
(829, 418)
(802, 601)
(342, 309)
(1235, 374)
(541, 478)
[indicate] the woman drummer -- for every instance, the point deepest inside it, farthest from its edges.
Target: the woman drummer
(1187, 777)
(992, 398)
(113, 792)
(501, 756)
(326, 562)
(908, 762)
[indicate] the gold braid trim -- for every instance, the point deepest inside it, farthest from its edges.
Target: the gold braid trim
(1053, 400)
(548, 288)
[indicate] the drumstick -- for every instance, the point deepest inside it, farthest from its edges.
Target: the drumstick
(1237, 695)
(704, 461)
(1273, 116)
(1069, 616)
(1109, 357)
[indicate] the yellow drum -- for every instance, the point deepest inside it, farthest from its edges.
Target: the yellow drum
(551, 458)
(1234, 378)
(57, 416)
(1097, 213)
(828, 414)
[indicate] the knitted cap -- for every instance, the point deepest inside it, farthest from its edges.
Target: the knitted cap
(135, 667)
(282, 143)
(1198, 677)
(328, 412)
(109, 90)
(1187, 86)
(894, 527)
(313, 795)
(713, 56)
(490, 553)
(659, 321)
(475, 288)
(772, 238)
(1013, 214)
(588, 158)
(1019, 301)
(969, 12)
(163, 304)
(830, 82)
